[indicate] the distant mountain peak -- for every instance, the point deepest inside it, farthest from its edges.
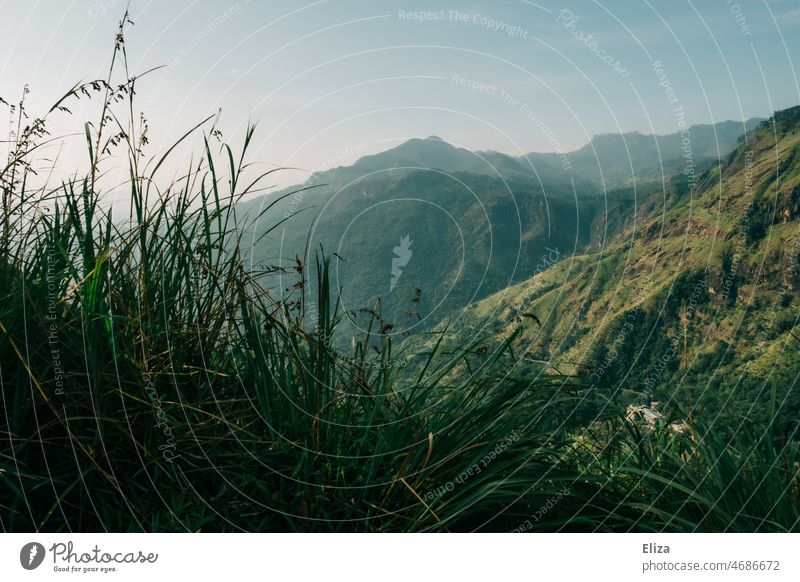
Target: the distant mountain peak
(430, 141)
(427, 152)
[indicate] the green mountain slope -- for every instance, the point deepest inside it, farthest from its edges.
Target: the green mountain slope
(473, 222)
(467, 236)
(692, 303)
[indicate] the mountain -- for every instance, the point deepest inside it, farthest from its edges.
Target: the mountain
(425, 228)
(692, 304)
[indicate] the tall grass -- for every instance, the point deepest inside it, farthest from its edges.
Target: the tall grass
(150, 382)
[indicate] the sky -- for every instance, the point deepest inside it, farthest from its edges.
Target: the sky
(328, 81)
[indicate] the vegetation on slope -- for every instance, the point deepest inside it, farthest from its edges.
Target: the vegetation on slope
(694, 304)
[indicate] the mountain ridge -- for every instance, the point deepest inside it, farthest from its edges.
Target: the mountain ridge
(432, 152)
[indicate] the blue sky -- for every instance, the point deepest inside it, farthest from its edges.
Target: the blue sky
(329, 81)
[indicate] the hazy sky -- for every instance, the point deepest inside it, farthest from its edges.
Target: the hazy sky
(332, 80)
